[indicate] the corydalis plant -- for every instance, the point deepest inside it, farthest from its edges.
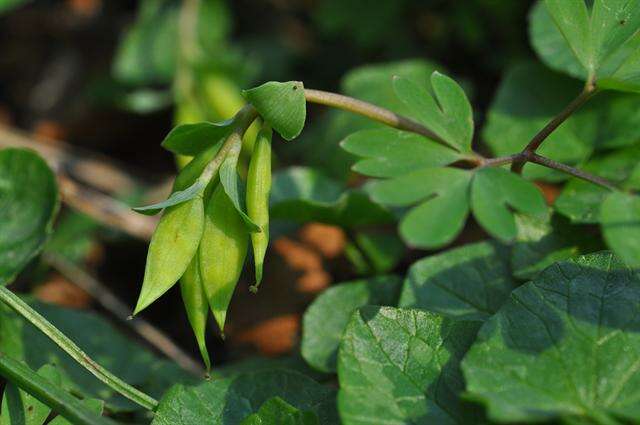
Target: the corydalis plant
(426, 163)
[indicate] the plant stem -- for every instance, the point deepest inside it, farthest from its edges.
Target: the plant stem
(550, 163)
(60, 401)
(537, 140)
(373, 112)
(66, 344)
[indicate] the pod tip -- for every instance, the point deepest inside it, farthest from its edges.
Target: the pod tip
(130, 317)
(253, 289)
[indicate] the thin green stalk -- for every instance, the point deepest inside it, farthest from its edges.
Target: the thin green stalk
(62, 341)
(60, 401)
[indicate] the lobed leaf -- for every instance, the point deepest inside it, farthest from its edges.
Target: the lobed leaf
(282, 105)
(28, 204)
(402, 366)
(278, 411)
(564, 346)
(391, 153)
(447, 112)
(495, 193)
(443, 203)
(327, 317)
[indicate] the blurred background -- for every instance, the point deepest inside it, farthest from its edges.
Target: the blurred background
(95, 85)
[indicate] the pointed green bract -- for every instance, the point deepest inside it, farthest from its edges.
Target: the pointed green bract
(172, 247)
(232, 186)
(442, 195)
(564, 346)
(196, 305)
(222, 252)
(447, 112)
(28, 204)
(495, 192)
(390, 153)
(282, 105)
(597, 41)
(620, 220)
(192, 139)
(176, 198)
(258, 190)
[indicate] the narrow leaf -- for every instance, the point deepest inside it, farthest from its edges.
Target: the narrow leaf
(191, 139)
(176, 198)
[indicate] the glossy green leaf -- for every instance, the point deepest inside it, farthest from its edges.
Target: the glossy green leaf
(28, 204)
(21, 408)
(447, 112)
(620, 218)
(391, 153)
(191, 139)
(304, 194)
(594, 41)
(564, 346)
(277, 411)
(233, 186)
(172, 247)
(443, 203)
(282, 105)
(229, 401)
(196, 305)
(580, 200)
(470, 282)
(327, 317)
(402, 366)
(101, 341)
(542, 242)
(496, 193)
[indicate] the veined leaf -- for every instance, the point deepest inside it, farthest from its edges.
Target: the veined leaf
(282, 105)
(229, 401)
(494, 192)
(620, 220)
(564, 346)
(391, 153)
(28, 205)
(278, 411)
(597, 42)
(442, 195)
(402, 366)
(470, 282)
(447, 112)
(327, 317)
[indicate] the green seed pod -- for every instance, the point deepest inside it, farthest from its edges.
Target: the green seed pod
(258, 188)
(196, 305)
(173, 245)
(222, 252)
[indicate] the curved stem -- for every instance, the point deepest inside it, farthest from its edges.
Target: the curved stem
(60, 401)
(68, 346)
(550, 163)
(373, 112)
(537, 140)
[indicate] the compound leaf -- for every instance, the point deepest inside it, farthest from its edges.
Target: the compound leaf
(447, 112)
(495, 193)
(391, 153)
